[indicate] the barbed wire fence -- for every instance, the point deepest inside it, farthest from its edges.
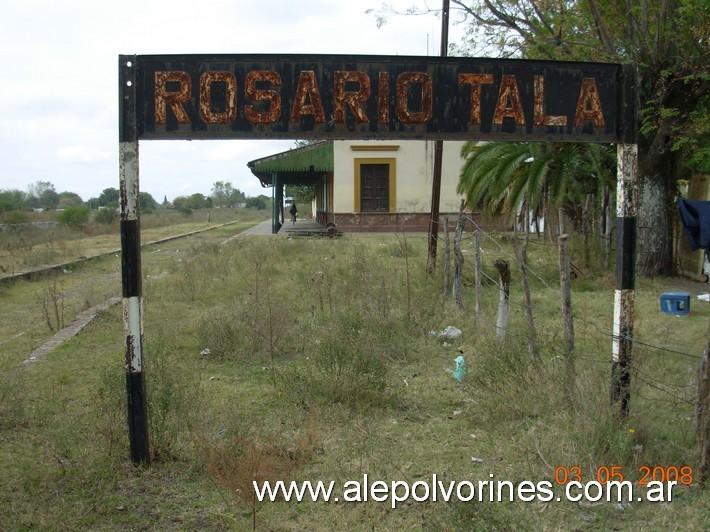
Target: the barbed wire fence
(665, 387)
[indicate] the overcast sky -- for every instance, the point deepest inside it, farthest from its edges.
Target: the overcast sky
(58, 90)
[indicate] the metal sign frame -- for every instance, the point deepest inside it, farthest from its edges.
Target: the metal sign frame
(186, 97)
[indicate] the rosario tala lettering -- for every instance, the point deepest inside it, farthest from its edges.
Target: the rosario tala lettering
(262, 98)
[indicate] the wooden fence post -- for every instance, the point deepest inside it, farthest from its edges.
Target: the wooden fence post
(567, 320)
(503, 296)
(458, 258)
(521, 258)
(702, 415)
(477, 260)
(447, 259)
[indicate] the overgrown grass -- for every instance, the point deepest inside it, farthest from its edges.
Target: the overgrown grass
(312, 358)
(30, 248)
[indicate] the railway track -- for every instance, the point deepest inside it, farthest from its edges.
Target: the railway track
(53, 303)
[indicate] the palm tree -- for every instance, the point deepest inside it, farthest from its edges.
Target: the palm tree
(512, 176)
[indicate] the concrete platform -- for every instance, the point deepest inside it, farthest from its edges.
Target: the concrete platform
(300, 227)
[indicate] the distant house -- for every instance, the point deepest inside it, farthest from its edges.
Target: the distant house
(366, 185)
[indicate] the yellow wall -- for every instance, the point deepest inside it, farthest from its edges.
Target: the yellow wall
(414, 163)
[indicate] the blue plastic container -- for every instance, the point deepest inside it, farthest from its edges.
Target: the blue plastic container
(677, 303)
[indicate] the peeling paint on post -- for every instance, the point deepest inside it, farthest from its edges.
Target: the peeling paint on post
(627, 170)
(131, 261)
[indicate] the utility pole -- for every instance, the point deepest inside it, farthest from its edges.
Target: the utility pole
(438, 154)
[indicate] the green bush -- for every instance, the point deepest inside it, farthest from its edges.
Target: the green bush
(105, 216)
(342, 367)
(15, 217)
(74, 217)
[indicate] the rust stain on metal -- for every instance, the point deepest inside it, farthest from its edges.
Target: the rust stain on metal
(589, 106)
(475, 80)
(383, 96)
(406, 115)
(174, 99)
(268, 95)
(307, 89)
(509, 93)
(354, 100)
(539, 116)
(207, 79)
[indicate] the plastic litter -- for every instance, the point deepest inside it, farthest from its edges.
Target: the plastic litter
(448, 332)
(460, 368)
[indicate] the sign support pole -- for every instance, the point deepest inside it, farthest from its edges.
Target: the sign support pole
(276, 208)
(626, 197)
(131, 261)
(627, 171)
(438, 157)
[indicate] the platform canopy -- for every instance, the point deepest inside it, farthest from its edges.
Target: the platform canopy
(299, 166)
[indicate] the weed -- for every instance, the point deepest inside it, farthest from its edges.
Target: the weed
(243, 462)
(343, 365)
(12, 404)
(51, 302)
(173, 401)
(110, 401)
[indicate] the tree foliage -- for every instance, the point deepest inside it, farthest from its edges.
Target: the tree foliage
(147, 202)
(69, 199)
(12, 200)
(194, 201)
(507, 176)
(105, 216)
(42, 194)
(225, 195)
(109, 197)
(302, 193)
(259, 202)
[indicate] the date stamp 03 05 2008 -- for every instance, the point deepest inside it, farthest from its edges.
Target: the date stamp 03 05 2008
(604, 474)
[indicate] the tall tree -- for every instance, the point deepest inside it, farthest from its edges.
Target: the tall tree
(12, 200)
(69, 199)
(109, 196)
(219, 194)
(668, 41)
(42, 194)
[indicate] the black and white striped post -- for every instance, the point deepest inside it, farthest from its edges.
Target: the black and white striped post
(627, 170)
(131, 261)
(626, 197)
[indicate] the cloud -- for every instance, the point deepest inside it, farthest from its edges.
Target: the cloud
(58, 99)
(81, 154)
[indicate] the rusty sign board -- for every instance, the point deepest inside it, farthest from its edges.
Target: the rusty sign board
(376, 97)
